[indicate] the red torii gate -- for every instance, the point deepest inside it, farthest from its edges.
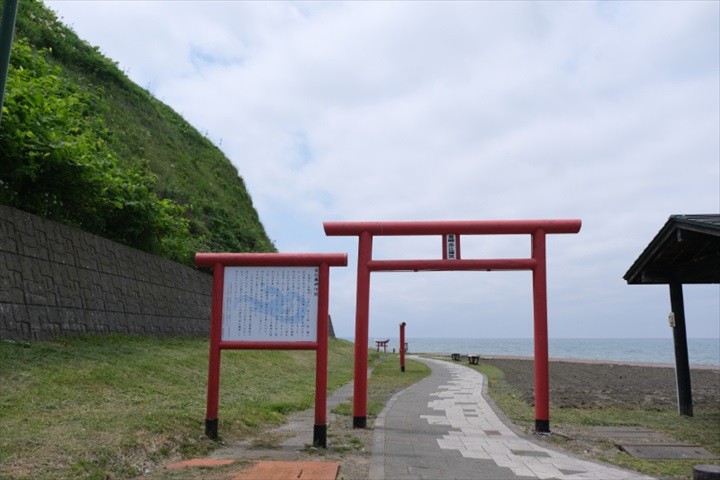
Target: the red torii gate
(451, 260)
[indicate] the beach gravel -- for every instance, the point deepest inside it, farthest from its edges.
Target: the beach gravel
(595, 384)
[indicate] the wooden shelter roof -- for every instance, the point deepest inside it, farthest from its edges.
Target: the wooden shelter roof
(685, 250)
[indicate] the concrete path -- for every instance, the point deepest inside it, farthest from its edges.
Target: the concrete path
(444, 428)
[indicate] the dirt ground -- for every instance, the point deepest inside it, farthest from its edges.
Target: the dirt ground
(604, 385)
(595, 384)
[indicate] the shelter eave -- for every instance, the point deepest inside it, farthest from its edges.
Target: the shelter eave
(685, 250)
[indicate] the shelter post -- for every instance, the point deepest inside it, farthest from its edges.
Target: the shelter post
(682, 364)
(362, 315)
(540, 317)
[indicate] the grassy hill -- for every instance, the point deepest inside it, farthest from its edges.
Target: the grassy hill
(82, 144)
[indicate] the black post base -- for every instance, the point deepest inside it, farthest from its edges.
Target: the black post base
(320, 436)
(542, 426)
(402, 369)
(359, 422)
(706, 472)
(211, 429)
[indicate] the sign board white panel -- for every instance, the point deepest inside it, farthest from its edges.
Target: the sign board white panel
(270, 304)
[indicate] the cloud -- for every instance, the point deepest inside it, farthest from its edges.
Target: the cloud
(608, 112)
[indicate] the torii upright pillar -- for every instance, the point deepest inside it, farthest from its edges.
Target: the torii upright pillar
(540, 334)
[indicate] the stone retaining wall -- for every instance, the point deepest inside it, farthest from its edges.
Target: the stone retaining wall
(57, 280)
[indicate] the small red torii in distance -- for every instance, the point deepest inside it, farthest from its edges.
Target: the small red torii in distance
(451, 260)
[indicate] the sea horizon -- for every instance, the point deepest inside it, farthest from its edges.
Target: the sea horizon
(701, 351)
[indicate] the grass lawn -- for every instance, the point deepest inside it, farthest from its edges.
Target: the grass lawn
(105, 407)
(386, 379)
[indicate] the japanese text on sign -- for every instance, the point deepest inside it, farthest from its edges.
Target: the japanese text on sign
(451, 247)
(270, 304)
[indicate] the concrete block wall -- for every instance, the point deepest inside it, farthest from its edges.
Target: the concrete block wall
(57, 280)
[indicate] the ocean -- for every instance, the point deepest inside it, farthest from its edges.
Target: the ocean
(701, 351)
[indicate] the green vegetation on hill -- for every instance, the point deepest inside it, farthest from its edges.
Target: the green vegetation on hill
(83, 145)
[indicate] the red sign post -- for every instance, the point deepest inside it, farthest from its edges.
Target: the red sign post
(402, 346)
(270, 301)
(450, 231)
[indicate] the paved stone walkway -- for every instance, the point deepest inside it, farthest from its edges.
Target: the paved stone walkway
(443, 428)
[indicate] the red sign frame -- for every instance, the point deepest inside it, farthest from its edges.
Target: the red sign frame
(218, 262)
(402, 346)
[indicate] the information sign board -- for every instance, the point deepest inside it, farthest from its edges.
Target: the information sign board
(270, 301)
(270, 304)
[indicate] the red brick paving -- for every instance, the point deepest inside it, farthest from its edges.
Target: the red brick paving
(267, 470)
(275, 470)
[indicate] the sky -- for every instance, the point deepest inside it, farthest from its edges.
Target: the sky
(608, 112)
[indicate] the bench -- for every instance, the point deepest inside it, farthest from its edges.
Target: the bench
(455, 356)
(473, 359)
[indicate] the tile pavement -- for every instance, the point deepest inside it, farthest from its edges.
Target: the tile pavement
(444, 428)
